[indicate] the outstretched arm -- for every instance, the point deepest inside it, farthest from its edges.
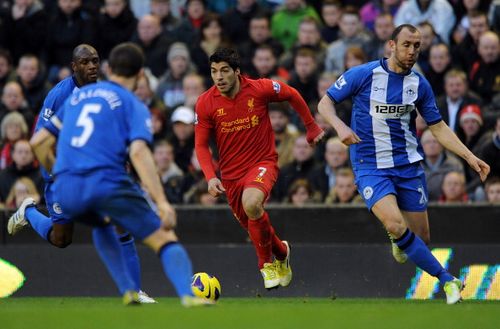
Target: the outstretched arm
(327, 109)
(314, 133)
(43, 143)
(450, 141)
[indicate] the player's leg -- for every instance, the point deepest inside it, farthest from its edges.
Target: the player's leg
(387, 211)
(418, 222)
(129, 250)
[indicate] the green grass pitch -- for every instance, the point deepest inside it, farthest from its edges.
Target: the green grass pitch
(241, 313)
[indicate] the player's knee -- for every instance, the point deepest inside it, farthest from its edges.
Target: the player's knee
(253, 209)
(61, 241)
(396, 228)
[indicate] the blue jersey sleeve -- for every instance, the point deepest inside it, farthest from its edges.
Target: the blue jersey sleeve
(139, 120)
(426, 103)
(347, 84)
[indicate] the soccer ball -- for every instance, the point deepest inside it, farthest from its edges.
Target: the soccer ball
(206, 286)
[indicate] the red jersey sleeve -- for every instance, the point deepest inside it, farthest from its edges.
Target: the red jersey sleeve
(279, 92)
(202, 130)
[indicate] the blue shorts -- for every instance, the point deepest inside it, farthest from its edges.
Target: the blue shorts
(94, 198)
(53, 207)
(407, 183)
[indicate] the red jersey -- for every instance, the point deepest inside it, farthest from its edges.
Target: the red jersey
(241, 126)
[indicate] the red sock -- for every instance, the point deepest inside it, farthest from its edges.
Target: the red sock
(279, 248)
(259, 231)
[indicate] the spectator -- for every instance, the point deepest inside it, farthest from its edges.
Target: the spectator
(300, 193)
(145, 92)
(190, 24)
(170, 174)
(13, 101)
(259, 34)
(6, 71)
(462, 11)
(159, 124)
(429, 38)
(23, 188)
(437, 163)
(453, 188)
(182, 138)
(200, 195)
(301, 166)
(284, 137)
(193, 85)
(154, 44)
(373, 9)
(331, 10)
(492, 189)
(161, 9)
(12, 129)
(439, 65)
(210, 37)
(31, 77)
(68, 27)
(304, 77)
(344, 190)
(23, 165)
(352, 34)
(309, 37)
(193, 181)
(465, 53)
(236, 20)
(26, 28)
(490, 152)
(265, 64)
(354, 56)
(457, 95)
(384, 25)
(286, 20)
(323, 177)
(484, 76)
(170, 86)
(439, 13)
(117, 24)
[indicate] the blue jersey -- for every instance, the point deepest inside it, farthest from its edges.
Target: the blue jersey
(383, 113)
(52, 105)
(100, 122)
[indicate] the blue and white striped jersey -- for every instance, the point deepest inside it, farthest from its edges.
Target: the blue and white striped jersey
(383, 113)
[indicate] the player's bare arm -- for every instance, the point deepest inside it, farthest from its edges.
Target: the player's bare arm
(327, 109)
(43, 143)
(450, 141)
(143, 162)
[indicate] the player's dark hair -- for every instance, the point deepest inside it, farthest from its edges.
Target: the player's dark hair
(228, 55)
(126, 59)
(400, 28)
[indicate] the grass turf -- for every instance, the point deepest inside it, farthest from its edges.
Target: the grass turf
(240, 313)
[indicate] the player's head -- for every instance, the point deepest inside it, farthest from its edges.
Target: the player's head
(225, 70)
(126, 60)
(85, 64)
(405, 46)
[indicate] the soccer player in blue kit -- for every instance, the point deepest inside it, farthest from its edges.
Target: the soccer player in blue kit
(58, 229)
(103, 125)
(384, 149)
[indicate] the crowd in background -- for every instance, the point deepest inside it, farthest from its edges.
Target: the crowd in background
(307, 44)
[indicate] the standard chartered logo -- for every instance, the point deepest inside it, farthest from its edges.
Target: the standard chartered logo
(239, 124)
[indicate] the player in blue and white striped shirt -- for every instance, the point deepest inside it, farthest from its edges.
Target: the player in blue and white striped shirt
(385, 152)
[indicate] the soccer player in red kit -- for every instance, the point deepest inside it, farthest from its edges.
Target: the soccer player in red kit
(235, 111)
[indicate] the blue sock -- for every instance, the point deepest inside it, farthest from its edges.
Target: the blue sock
(418, 252)
(40, 223)
(131, 258)
(110, 251)
(177, 267)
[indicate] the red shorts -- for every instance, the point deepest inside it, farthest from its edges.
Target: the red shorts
(262, 176)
